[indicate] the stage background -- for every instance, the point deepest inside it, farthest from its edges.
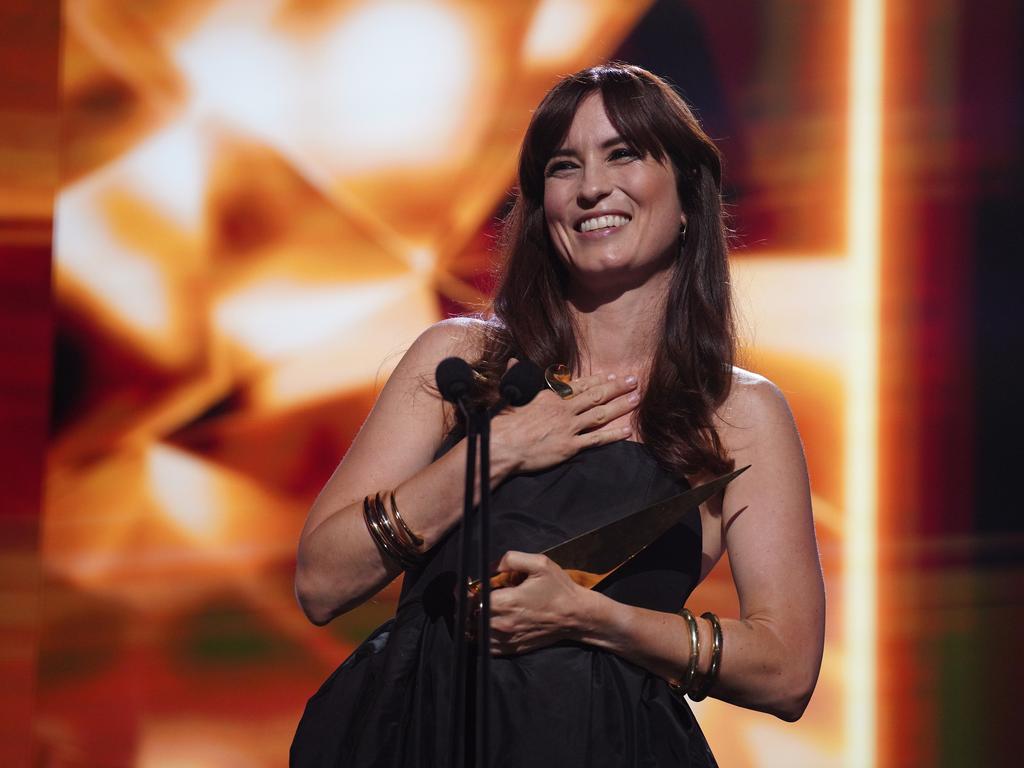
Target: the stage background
(222, 222)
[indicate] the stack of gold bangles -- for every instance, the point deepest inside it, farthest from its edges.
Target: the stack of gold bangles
(398, 542)
(693, 684)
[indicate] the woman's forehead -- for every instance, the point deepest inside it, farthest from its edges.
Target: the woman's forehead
(591, 123)
(604, 123)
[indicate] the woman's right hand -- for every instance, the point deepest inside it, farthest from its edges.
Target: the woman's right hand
(548, 430)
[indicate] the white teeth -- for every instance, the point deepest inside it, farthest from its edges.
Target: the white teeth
(601, 222)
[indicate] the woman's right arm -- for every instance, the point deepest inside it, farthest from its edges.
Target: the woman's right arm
(338, 565)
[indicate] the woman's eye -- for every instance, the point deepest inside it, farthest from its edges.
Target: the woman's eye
(624, 153)
(561, 165)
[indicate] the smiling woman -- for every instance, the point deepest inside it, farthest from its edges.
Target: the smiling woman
(611, 209)
(616, 140)
(615, 266)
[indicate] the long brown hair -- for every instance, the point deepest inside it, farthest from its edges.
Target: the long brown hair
(692, 367)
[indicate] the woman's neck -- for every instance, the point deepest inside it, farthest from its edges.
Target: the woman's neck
(619, 334)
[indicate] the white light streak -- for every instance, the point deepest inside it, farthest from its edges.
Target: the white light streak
(276, 318)
(239, 71)
(793, 305)
(560, 28)
(186, 491)
(861, 429)
(169, 170)
(362, 356)
(394, 86)
(125, 281)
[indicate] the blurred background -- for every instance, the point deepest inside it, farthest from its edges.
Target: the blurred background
(222, 221)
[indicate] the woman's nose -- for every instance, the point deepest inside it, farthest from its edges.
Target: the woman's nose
(595, 185)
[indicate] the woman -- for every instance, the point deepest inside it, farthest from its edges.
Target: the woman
(615, 266)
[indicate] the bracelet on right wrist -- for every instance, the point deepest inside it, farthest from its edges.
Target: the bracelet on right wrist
(398, 543)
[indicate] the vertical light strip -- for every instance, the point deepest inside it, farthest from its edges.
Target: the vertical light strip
(863, 242)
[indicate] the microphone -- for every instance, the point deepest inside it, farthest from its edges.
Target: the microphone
(454, 379)
(521, 383)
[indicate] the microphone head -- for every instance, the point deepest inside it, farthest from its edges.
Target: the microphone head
(521, 383)
(454, 379)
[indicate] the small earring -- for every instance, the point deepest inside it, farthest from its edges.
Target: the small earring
(682, 232)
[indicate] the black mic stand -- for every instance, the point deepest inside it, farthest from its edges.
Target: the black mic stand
(483, 633)
(519, 385)
(478, 427)
(455, 380)
(458, 725)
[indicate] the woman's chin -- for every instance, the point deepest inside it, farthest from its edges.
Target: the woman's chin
(614, 272)
(603, 268)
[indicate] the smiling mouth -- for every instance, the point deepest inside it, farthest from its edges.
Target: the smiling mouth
(602, 222)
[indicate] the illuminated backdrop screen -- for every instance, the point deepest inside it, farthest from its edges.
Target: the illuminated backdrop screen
(262, 204)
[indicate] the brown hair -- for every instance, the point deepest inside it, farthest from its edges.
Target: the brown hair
(692, 367)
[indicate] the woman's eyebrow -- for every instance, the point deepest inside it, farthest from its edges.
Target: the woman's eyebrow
(573, 152)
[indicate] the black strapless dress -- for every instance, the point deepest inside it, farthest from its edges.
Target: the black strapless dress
(567, 705)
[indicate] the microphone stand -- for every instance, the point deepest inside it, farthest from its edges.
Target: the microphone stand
(458, 742)
(483, 659)
(478, 426)
(515, 391)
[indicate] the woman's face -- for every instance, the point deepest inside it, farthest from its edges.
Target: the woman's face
(613, 215)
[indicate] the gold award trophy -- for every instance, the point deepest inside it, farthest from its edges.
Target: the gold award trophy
(591, 557)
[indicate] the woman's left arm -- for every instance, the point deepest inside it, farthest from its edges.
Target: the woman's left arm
(771, 655)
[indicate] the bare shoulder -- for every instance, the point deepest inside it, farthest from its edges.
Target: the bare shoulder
(757, 428)
(755, 408)
(457, 333)
(455, 337)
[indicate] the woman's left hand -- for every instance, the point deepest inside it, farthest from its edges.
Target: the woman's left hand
(544, 608)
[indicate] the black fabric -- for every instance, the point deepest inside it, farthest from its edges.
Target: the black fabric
(566, 705)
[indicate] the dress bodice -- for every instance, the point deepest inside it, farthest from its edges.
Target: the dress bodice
(568, 704)
(534, 511)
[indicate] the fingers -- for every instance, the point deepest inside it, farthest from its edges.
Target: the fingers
(549, 429)
(587, 383)
(606, 413)
(597, 390)
(598, 401)
(523, 562)
(602, 436)
(529, 617)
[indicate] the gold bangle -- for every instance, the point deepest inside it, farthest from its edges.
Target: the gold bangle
(407, 555)
(415, 541)
(374, 526)
(383, 534)
(683, 686)
(711, 677)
